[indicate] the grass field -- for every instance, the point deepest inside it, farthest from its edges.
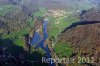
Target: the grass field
(19, 42)
(57, 25)
(41, 12)
(63, 49)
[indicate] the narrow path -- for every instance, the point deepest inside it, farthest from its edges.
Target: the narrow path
(56, 24)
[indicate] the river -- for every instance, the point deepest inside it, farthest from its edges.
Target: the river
(41, 44)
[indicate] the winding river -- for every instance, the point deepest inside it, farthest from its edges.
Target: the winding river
(41, 44)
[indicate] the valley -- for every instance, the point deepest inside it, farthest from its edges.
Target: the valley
(30, 30)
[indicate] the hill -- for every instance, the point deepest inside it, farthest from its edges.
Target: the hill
(84, 39)
(92, 14)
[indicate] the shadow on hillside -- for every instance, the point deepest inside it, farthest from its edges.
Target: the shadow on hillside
(12, 55)
(80, 23)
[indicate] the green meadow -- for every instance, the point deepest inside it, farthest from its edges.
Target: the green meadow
(63, 22)
(63, 49)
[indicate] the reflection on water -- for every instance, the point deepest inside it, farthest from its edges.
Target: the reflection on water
(36, 38)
